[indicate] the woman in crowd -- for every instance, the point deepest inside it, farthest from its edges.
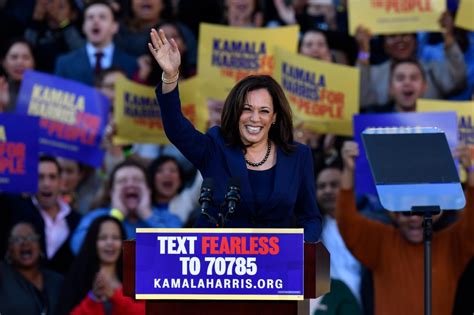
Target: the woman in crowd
(79, 184)
(255, 144)
(166, 178)
(18, 58)
(94, 283)
(25, 287)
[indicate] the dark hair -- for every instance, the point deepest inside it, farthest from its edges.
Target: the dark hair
(313, 30)
(107, 3)
(81, 276)
(412, 61)
(130, 18)
(104, 200)
(99, 77)
(51, 159)
(153, 168)
(281, 133)
(18, 40)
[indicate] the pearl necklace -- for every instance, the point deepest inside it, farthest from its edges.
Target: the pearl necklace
(264, 159)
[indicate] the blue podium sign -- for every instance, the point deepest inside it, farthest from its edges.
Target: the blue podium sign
(219, 264)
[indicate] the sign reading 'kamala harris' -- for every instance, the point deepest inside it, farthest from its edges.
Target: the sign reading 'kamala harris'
(218, 264)
(72, 116)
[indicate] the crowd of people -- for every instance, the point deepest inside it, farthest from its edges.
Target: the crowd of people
(61, 248)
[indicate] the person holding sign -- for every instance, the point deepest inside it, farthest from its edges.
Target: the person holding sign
(253, 146)
(394, 254)
(443, 78)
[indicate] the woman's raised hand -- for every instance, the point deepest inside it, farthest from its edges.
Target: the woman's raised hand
(165, 52)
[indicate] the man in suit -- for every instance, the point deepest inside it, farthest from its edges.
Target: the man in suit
(100, 26)
(51, 216)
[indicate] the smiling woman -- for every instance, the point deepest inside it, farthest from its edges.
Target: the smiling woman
(26, 288)
(254, 144)
(94, 282)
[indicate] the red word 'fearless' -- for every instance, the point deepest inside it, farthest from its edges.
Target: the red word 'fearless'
(240, 245)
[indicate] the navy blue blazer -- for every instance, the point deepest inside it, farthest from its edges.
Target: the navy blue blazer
(293, 200)
(75, 65)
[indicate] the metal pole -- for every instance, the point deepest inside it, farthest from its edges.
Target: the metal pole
(427, 237)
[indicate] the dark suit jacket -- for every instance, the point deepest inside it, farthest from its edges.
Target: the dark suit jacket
(23, 210)
(293, 195)
(75, 65)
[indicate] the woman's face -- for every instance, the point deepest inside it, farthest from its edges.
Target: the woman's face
(147, 10)
(70, 175)
(257, 117)
(18, 59)
(109, 243)
(167, 180)
(314, 45)
(24, 247)
(171, 32)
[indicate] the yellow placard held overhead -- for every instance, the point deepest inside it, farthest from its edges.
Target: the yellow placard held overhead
(465, 15)
(465, 114)
(137, 114)
(228, 54)
(395, 16)
(323, 96)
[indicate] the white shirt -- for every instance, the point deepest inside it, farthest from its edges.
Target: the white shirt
(344, 266)
(56, 231)
(106, 61)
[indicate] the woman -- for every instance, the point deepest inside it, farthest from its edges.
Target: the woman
(54, 29)
(26, 288)
(126, 196)
(79, 184)
(255, 144)
(314, 44)
(18, 58)
(166, 177)
(94, 283)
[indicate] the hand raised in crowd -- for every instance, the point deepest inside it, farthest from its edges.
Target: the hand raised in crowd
(285, 12)
(144, 207)
(446, 22)
(165, 52)
(117, 202)
(362, 37)
(4, 94)
(350, 149)
(39, 12)
(463, 153)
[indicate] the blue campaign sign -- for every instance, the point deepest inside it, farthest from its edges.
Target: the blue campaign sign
(19, 153)
(446, 121)
(219, 264)
(73, 116)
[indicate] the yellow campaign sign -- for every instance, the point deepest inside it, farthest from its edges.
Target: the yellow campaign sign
(228, 54)
(137, 114)
(395, 16)
(323, 96)
(465, 114)
(464, 16)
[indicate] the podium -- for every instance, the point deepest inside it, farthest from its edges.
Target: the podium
(316, 283)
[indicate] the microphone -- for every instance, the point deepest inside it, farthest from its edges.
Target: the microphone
(232, 198)
(205, 198)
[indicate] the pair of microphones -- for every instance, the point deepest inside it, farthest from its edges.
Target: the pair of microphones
(231, 199)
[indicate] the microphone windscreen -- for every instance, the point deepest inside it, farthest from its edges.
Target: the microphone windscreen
(208, 183)
(234, 182)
